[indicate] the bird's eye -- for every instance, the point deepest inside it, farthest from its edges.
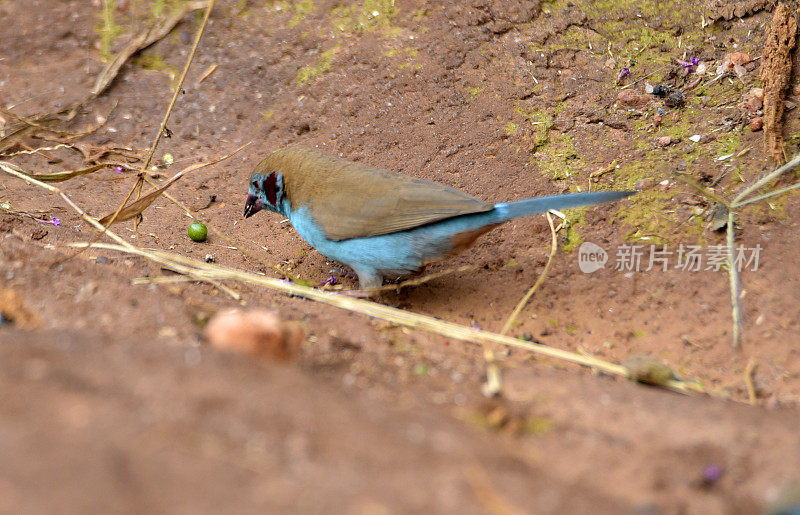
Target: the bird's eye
(254, 184)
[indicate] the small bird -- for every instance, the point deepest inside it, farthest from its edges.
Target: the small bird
(381, 223)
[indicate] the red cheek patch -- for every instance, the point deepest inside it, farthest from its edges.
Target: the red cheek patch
(270, 188)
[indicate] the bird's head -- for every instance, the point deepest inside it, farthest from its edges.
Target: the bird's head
(265, 192)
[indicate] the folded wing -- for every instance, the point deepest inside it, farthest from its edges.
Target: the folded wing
(351, 200)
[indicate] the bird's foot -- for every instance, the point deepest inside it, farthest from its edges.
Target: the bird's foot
(360, 294)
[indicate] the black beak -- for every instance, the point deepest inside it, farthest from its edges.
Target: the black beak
(252, 206)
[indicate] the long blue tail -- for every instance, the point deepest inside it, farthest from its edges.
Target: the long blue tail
(510, 210)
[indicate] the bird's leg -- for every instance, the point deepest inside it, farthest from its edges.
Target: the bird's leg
(368, 281)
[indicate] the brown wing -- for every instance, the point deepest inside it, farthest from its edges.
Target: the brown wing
(350, 200)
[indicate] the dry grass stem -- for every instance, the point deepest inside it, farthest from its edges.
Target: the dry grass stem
(524, 300)
(206, 73)
(209, 6)
(56, 176)
(494, 383)
(135, 208)
(748, 381)
(737, 202)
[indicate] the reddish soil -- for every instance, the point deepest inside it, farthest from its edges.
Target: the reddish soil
(112, 400)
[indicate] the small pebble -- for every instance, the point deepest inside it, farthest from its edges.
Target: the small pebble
(696, 138)
(664, 141)
(739, 58)
(756, 124)
(631, 97)
(258, 331)
(656, 120)
(675, 99)
(753, 100)
(661, 90)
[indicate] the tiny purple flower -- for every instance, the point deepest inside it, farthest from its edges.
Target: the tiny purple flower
(690, 64)
(330, 281)
(624, 72)
(118, 169)
(52, 221)
(712, 474)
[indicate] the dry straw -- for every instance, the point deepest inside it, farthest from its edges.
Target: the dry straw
(741, 200)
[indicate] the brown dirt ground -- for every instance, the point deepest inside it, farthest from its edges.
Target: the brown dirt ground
(114, 402)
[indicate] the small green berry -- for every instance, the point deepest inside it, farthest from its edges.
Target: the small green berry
(198, 232)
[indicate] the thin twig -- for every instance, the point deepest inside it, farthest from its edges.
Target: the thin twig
(748, 380)
(739, 199)
(97, 225)
(206, 73)
(184, 279)
(38, 150)
(138, 43)
(705, 192)
(416, 281)
(768, 195)
(733, 277)
(180, 85)
(123, 245)
(643, 78)
(524, 300)
(493, 376)
(100, 234)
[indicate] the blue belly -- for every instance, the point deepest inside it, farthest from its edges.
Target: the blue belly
(396, 253)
